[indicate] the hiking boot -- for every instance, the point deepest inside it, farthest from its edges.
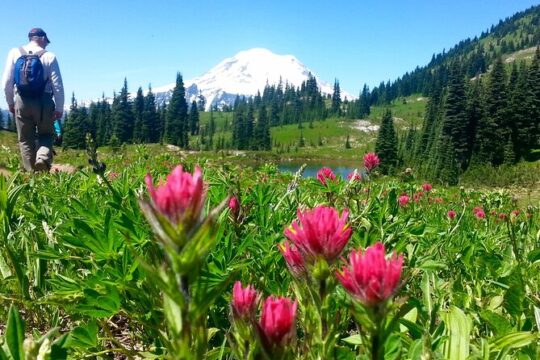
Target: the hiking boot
(41, 165)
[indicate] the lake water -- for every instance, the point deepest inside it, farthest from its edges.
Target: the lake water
(339, 168)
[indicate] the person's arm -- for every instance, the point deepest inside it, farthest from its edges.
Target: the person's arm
(8, 82)
(57, 88)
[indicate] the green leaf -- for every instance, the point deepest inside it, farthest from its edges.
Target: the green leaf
(515, 340)
(83, 337)
(498, 323)
(353, 340)
(458, 329)
(392, 347)
(15, 334)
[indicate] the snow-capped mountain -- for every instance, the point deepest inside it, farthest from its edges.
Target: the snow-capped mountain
(245, 74)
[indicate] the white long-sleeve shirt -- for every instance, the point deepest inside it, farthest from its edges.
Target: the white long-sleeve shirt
(51, 69)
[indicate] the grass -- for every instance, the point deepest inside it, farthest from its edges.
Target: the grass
(407, 111)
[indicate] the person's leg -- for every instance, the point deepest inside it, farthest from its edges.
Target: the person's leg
(26, 131)
(45, 131)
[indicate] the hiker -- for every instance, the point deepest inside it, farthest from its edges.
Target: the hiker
(31, 81)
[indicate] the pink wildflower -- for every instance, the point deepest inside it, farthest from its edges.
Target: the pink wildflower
(277, 322)
(320, 232)
(403, 200)
(427, 187)
(370, 277)
(181, 198)
(480, 214)
(244, 301)
(294, 259)
(234, 206)
(502, 216)
(354, 176)
(371, 161)
(325, 174)
(451, 214)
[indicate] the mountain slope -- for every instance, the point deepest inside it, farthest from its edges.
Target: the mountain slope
(245, 74)
(519, 33)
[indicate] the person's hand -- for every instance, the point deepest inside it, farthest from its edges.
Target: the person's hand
(12, 109)
(57, 115)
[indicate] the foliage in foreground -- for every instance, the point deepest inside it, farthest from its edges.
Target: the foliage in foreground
(89, 278)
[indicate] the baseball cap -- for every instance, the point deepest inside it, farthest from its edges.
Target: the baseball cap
(38, 32)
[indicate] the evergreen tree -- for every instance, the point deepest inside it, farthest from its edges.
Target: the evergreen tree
(176, 127)
(138, 110)
(521, 126)
(386, 145)
(262, 131)
(364, 103)
(123, 116)
(454, 126)
(103, 122)
(151, 126)
(194, 119)
(335, 107)
(497, 111)
(74, 136)
(533, 103)
(475, 115)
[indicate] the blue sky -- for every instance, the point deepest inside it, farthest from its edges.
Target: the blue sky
(99, 43)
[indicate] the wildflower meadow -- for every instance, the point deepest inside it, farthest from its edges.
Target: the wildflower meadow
(168, 259)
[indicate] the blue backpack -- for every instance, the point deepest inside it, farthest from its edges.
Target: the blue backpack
(29, 74)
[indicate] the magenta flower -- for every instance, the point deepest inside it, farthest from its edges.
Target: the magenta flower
(325, 174)
(371, 161)
(370, 277)
(244, 301)
(320, 232)
(295, 261)
(480, 214)
(277, 322)
(354, 176)
(181, 198)
(234, 206)
(451, 214)
(403, 200)
(427, 187)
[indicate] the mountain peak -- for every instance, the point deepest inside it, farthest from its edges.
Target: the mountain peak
(245, 74)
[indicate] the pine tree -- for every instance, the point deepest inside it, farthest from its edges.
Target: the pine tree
(454, 126)
(194, 119)
(386, 145)
(74, 136)
(103, 122)
(475, 115)
(138, 109)
(364, 102)
(335, 107)
(533, 103)
(497, 111)
(123, 116)
(521, 126)
(151, 126)
(176, 128)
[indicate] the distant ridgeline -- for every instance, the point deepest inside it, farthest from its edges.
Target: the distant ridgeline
(484, 101)
(483, 108)
(139, 119)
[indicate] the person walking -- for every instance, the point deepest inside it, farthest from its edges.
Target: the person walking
(34, 93)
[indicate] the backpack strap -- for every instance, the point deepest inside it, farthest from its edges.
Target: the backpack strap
(40, 53)
(23, 52)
